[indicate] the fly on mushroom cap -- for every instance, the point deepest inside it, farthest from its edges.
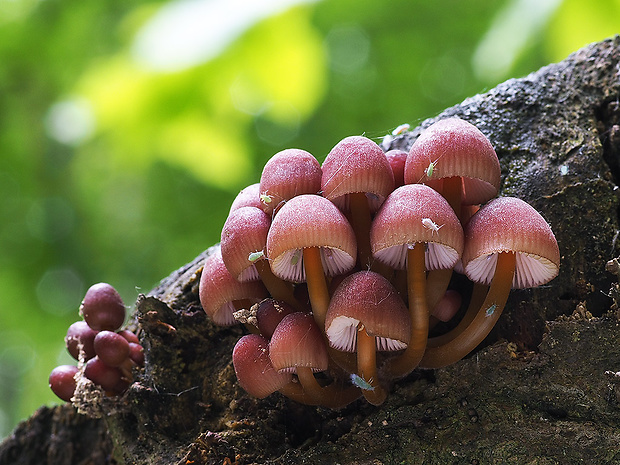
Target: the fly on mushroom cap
(508, 243)
(287, 174)
(219, 290)
(415, 213)
(455, 149)
(366, 315)
(510, 224)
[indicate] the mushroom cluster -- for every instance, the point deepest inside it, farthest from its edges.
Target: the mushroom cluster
(105, 352)
(339, 271)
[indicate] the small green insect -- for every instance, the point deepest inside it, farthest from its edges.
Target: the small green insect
(430, 169)
(491, 310)
(256, 256)
(295, 258)
(265, 198)
(361, 383)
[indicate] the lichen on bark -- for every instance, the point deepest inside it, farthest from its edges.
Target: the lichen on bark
(544, 388)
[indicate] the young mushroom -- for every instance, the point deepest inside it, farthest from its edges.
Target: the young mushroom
(357, 178)
(367, 315)
(456, 159)
(243, 242)
(220, 293)
(453, 157)
(287, 174)
(508, 244)
(298, 346)
(269, 313)
(309, 239)
(415, 229)
(256, 374)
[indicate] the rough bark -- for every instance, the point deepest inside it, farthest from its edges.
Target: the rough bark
(543, 389)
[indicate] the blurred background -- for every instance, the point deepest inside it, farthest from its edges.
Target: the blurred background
(127, 127)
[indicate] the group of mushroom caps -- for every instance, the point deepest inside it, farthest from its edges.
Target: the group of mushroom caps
(340, 270)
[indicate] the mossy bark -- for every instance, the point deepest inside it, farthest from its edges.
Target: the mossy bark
(544, 389)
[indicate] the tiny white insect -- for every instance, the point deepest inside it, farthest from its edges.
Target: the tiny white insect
(362, 383)
(256, 255)
(400, 129)
(430, 224)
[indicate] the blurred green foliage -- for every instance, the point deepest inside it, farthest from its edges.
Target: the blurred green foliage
(113, 170)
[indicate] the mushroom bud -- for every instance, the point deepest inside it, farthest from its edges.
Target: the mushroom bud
(62, 381)
(103, 308)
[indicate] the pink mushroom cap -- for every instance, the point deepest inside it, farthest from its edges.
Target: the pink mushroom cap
(310, 221)
(253, 367)
(508, 224)
(287, 174)
(415, 213)
(356, 164)
(297, 342)
(218, 290)
(368, 298)
(455, 148)
(243, 241)
(247, 197)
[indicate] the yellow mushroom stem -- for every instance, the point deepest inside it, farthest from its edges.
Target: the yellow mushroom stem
(317, 285)
(367, 366)
(295, 391)
(479, 293)
(470, 332)
(406, 362)
(452, 191)
(437, 282)
(278, 288)
(331, 396)
(360, 219)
